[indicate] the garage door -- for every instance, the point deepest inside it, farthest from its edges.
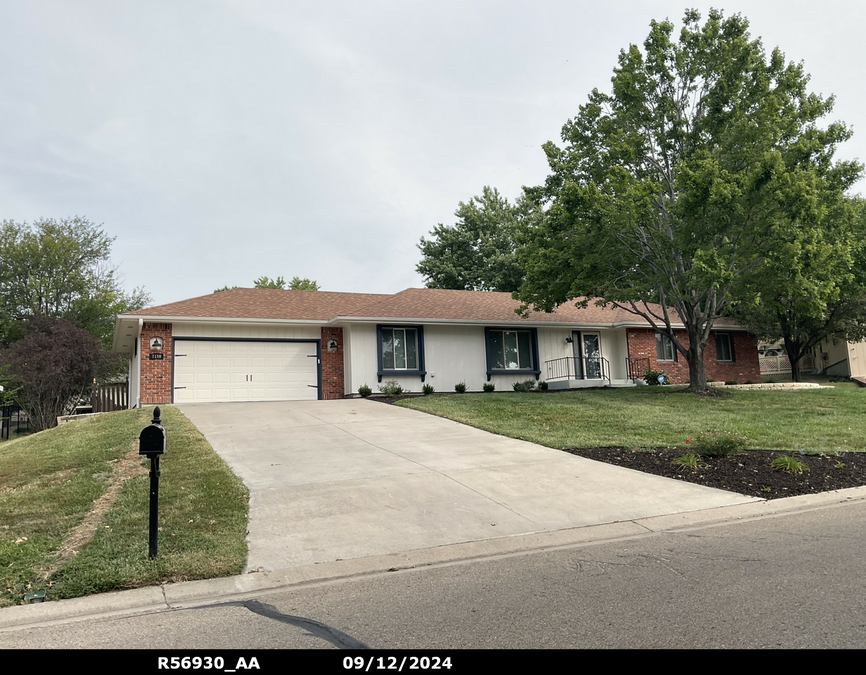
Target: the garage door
(210, 371)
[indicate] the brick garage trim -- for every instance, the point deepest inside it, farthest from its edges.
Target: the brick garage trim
(156, 375)
(745, 366)
(332, 369)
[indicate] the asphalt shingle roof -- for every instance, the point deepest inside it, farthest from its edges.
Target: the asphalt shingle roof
(410, 304)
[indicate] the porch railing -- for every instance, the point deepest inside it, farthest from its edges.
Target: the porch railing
(636, 367)
(108, 397)
(578, 368)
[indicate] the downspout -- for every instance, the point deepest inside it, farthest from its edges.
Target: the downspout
(138, 379)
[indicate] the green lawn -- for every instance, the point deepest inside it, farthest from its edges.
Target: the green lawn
(820, 420)
(49, 481)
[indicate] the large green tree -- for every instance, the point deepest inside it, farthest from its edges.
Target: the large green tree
(479, 251)
(811, 287)
(665, 188)
(60, 269)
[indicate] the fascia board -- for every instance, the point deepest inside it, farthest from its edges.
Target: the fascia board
(465, 322)
(221, 319)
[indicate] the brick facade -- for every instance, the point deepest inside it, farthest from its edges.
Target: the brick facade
(642, 344)
(156, 373)
(332, 365)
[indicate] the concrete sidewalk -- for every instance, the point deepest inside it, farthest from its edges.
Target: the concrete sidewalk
(339, 480)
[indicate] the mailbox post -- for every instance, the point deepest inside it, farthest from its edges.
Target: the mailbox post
(151, 442)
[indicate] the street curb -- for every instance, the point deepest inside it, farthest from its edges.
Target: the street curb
(213, 591)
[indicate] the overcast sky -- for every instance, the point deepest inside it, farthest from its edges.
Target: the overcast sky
(219, 141)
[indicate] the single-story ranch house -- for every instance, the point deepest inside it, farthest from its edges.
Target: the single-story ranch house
(249, 344)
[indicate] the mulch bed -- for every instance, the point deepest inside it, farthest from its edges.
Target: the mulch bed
(747, 473)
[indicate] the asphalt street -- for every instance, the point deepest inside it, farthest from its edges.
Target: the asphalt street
(795, 579)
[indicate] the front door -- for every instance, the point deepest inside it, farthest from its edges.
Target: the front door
(587, 353)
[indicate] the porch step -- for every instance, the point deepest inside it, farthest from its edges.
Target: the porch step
(860, 380)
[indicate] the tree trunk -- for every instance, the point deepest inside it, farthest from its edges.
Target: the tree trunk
(792, 349)
(697, 374)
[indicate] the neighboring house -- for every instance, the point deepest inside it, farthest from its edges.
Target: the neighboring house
(839, 359)
(264, 344)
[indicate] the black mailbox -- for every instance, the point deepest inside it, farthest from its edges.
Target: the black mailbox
(151, 441)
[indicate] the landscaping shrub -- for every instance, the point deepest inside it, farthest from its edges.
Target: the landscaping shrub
(542, 385)
(488, 387)
(718, 443)
(789, 463)
(391, 388)
(364, 391)
(526, 385)
(651, 377)
(460, 387)
(427, 389)
(730, 382)
(690, 460)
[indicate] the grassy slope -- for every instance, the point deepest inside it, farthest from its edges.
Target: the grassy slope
(49, 481)
(821, 420)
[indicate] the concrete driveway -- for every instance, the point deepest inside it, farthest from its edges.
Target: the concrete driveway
(332, 480)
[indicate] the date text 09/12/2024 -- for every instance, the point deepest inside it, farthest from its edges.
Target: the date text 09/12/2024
(366, 664)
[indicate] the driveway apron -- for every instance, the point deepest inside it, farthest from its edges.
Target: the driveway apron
(334, 480)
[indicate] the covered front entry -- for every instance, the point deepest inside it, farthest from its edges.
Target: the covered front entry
(587, 356)
(210, 370)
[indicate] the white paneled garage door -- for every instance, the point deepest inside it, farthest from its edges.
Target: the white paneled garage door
(217, 370)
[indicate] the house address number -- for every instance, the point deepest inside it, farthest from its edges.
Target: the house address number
(156, 357)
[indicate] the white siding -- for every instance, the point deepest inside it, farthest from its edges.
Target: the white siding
(135, 374)
(455, 354)
(239, 330)
(857, 359)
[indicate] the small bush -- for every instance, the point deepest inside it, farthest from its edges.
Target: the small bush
(427, 389)
(542, 385)
(460, 387)
(526, 385)
(789, 463)
(718, 443)
(651, 377)
(488, 387)
(364, 391)
(690, 460)
(391, 388)
(748, 382)
(731, 382)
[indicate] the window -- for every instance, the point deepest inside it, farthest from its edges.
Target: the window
(511, 350)
(665, 350)
(401, 350)
(724, 347)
